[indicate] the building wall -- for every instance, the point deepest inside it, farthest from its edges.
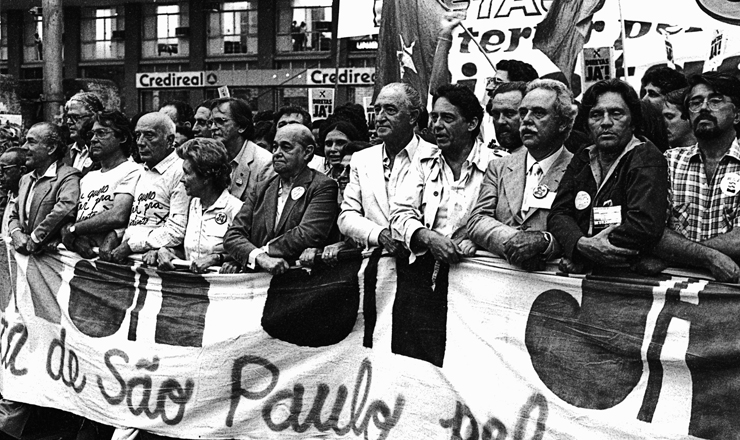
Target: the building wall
(267, 78)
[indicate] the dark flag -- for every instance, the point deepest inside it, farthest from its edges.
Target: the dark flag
(408, 39)
(562, 33)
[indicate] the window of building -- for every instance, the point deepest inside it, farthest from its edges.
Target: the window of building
(233, 28)
(102, 33)
(3, 37)
(166, 31)
(33, 46)
(304, 25)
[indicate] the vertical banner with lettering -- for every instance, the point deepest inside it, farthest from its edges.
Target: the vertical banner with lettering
(320, 102)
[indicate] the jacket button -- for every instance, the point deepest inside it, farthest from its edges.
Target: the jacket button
(427, 225)
(436, 193)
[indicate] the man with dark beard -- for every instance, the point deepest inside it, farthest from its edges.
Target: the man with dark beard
(704, 190)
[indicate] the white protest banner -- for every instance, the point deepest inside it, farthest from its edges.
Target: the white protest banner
(320, 102)
(371, 349)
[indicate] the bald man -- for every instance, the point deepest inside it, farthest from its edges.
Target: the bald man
(289, 212)
(160, 209)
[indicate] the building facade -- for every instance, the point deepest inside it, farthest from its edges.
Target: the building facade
(269, 52)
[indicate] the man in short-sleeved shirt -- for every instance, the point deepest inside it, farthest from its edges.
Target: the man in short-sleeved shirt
(160, 209)
(106, 194)
(704, 182)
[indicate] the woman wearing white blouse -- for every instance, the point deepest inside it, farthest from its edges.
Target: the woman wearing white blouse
(206, 179)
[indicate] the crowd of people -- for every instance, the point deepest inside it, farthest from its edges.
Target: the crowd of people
(600, 182)
(619, 179)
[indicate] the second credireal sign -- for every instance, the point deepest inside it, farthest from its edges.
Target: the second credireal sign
(158, 80)
(345, 76)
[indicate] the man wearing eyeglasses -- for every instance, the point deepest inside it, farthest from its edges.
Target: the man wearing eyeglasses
(704, 191)
(107, 194)
(12, 167)
(78, 111)
(47, 197)
(231, 123)
(159, 211)
(611, 206)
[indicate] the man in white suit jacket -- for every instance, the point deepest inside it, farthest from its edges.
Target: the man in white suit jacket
(510, 217)
(375, 171)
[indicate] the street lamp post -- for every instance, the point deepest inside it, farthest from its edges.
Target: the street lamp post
(52, 43)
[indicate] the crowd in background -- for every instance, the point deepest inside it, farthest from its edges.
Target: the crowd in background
(616, 179)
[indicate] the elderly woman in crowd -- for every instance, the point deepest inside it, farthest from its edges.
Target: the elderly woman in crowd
(206, 179)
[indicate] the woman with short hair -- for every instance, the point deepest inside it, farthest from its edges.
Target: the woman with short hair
(207, 175)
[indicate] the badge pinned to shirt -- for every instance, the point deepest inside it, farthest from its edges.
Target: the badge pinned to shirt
(87, 162)
(239, 181)
(297, 193)
(220, 218)
(583, 200)
(730, 184)
(543, 197)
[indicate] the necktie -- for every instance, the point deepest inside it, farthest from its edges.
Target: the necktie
(533, 179)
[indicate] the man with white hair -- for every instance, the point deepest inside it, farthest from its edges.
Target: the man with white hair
(160, 209)
(510, 217)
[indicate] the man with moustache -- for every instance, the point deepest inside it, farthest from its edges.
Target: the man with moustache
(611, 205)
(704, 191)
(231, 123)
(510, 217)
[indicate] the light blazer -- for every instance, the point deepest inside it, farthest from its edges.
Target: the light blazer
(307, 221)
(497, 216)
(54, 203)
(254, 164)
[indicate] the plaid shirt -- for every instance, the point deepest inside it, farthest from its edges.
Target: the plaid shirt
(699, 209)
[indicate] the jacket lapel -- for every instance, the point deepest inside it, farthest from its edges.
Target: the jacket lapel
(553, 176)
(23, 190)
(42, 189)
(243, 170)
(514, 181)
(302, 180)
(376, 174)
(270, 204)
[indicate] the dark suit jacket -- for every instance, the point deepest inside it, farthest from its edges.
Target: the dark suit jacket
(54, 203)
(308, 221)
(638, 184)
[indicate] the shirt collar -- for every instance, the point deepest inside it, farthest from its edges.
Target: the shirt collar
(475, 157)
(50, 172)
(165, 163)
(222, 200)
(76, 147)
(634, 142)
(238, 158)
(410, 148)
(545, 163)
(734, 151)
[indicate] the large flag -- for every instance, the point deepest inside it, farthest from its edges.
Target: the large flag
(562, 33)
(408, 39)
